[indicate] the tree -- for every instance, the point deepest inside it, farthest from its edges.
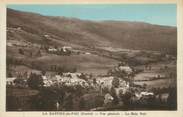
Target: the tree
(124, 57)
(73, 70)
(82, 103)
(38, 53)
(172, 98)
(21, 51)
(123, 75)
(9, 74)
(45, 100)
(30, 54)
(43, 72)
(126, 98)
(68, 101)
(83, 76)
(35, 81)
(19, 82)
(109, 72)
(94, 81)
(144, 86)
(115, 82)
(114, 95)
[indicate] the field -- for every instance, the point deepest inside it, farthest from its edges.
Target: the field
(84, 63)
(158, 69)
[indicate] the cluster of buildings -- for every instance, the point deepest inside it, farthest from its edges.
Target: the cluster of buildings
(63, 49)
(73, 79)
(66, 50)
(101, 84)
(68, 79)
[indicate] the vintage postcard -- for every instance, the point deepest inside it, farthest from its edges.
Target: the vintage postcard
(91, 59)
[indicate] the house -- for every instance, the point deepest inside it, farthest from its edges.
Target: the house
(10, 81)
(65, 48)
(72, 75)
(19, 28)
(47, 36)
(52, 50)
(9, 44)
(47, 82)
(144, 93)
(138, 95)
(105, 82)
(87, 53)
(127, 69)
(123, 83)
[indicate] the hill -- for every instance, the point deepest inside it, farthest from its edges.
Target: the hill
(92, 34)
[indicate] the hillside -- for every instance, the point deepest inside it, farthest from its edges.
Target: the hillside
(91, 34)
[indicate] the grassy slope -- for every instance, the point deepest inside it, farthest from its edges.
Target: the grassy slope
(83, 34)
(84, 63)
(133, 35)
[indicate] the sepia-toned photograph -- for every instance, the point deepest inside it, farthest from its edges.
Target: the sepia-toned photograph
(91, 57)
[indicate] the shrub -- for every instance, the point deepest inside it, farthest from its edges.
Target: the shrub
(35, 81)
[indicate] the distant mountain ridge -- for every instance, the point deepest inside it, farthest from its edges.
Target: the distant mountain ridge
(120, 34)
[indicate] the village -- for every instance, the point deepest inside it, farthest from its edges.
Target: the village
(129, 84)
(118, 89)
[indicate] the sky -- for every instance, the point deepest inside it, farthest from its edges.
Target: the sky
(160, 14)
